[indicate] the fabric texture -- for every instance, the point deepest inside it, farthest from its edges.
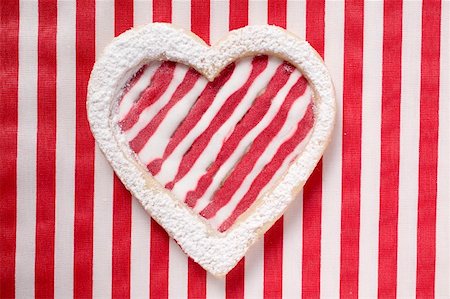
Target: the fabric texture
(372, 221)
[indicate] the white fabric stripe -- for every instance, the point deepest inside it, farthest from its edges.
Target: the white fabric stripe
(65, 149)
(254, 259)
(215, 288)
(178, 271)
(169, 168)
(149, 113)
(293, 217)
(442, 283)
(227, 167)
(257, 12)
(292, 249)
(26, 150)
(370, 149)
(142, 12)
(103, 176)
(296, 113)
(219, 20)
(332, 159)
(254, 271)
(181, 13)
(133, 94)
(155, 146)
(140, 220)
(140, 251)
(178, 261)
(409, 154)
(296, 17)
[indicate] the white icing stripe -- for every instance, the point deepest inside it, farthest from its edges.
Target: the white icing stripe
(156, 145)
(296, 113)
(147, 115)
(210, 153)
(240, 75)
(225, 169)
(135, 92)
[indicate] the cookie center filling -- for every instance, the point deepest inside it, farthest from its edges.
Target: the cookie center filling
(220, 145)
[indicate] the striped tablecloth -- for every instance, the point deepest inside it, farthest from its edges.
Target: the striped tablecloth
(373, 220)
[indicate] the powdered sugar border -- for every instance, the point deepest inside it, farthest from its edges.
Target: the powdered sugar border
(217, 253)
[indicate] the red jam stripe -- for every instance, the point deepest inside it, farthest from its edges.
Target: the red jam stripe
(312, 191)
(188, 82)
(428, 149)
(351, 147)
(121, 234)
(259, 63)
(193, 117)
(46, 151)
(85, 153)
(265, 176)
(390, 149)
(245, 165)
(133, 81)
(9, 57)
(158, 85)
(248, 122)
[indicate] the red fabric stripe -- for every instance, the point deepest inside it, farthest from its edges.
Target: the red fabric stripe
(259, 108)
(121, 247)
(159, 240)
(273, 239)
(200, 15)
(121, 234)
(390, 149)
(273, 261)
(159, 262)
(351, 147)
(312, 191)
(194, 115)
(9, 57)
(264, 177)
(196, 280)
(259, 64)
(261, 142)
(234, 284)
(162, 11)
(428, 148)
(277, 10)
(200, 25)
(46, 146)
(186, 85)
(158, 85)
(84, 153)
(238, 16)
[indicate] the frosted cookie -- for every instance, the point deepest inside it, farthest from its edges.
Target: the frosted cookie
(215, 142)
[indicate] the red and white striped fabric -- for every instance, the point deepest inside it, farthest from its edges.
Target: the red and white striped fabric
(373, 220)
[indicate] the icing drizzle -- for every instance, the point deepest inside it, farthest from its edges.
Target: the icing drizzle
(218, 145)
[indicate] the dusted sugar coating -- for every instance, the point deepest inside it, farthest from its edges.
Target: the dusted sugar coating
(218, 146)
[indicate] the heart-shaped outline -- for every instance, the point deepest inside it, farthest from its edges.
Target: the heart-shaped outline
(216, 252)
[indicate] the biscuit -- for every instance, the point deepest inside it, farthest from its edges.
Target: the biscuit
(214, 142)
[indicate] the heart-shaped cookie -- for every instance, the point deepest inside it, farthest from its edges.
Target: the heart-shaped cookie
(215, 142)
